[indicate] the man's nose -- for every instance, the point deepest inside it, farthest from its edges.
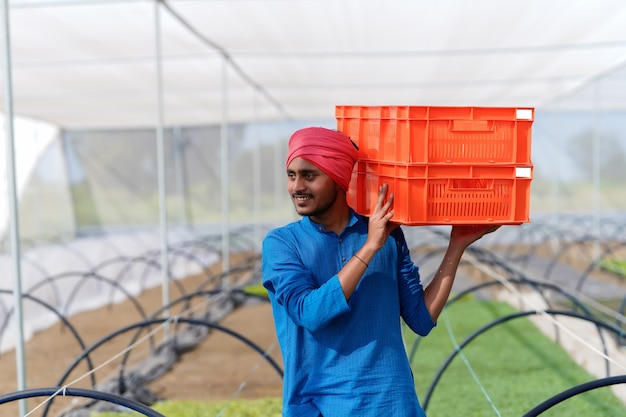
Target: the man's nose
(298, 183)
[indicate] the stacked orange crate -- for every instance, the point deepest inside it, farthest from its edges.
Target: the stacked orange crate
(445, 165)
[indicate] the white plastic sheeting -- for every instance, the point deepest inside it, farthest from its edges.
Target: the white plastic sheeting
(92, 63)
(32, 137)
(88, 273)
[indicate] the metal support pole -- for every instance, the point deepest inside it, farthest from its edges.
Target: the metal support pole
(257, 174)
(160, 146)
(20, 355)
(279, 178)
(596, 171)
(225, 177)
(178, 148)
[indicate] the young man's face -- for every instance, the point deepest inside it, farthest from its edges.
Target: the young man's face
(312, 191)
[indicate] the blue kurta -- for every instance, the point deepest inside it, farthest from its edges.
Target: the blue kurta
(343, 358)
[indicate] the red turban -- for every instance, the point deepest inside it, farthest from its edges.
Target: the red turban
(331, 151)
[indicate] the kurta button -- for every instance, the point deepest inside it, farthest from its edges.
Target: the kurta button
(340, 240)
(343, 259)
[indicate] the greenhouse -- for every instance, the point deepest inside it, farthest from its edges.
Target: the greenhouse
(143, 163)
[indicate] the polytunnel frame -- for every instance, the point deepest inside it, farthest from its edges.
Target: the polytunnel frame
(186, 300)
(607, 251)
(577, 243)
(80, 392)
(93, 273)
(249, 263)
(160, 147)
(61, 317)
(544, 233)
(223, 275)
(164, 321)
(518, 281)
(571, 392)
(475, 334)
(20, 350)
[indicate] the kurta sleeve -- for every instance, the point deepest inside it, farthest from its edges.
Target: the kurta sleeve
(294, 287)
(412, 304)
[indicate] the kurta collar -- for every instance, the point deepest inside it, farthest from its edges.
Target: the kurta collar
(354, 219)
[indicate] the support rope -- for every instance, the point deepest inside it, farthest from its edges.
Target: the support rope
(469, 366)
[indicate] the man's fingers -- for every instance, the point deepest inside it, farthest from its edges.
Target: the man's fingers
(382, 193)
(383, 206)
(389, 202)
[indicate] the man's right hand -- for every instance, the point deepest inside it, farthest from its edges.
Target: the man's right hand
(380, 225)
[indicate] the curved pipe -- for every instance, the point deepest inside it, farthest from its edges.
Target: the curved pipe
(574, 244)
(503, 320)
(61, 317)
(76, 274)
(185, 300)
(521, 281)
(81, 392)
(607, 251)
(151, 322)
(571, 392)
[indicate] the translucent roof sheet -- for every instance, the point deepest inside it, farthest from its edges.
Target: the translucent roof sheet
(94, 63)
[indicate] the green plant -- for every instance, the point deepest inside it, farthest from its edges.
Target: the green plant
(266, 407)
(616, 266)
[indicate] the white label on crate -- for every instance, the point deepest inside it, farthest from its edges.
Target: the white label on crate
(522, 172)
(526, 114)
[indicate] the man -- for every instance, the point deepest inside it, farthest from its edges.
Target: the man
(339, 283)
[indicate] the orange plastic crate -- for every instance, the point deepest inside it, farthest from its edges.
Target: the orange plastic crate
(445, 195)
(437, 134)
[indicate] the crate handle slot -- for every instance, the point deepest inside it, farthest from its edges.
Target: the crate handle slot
(470, 184)
(471, 125)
